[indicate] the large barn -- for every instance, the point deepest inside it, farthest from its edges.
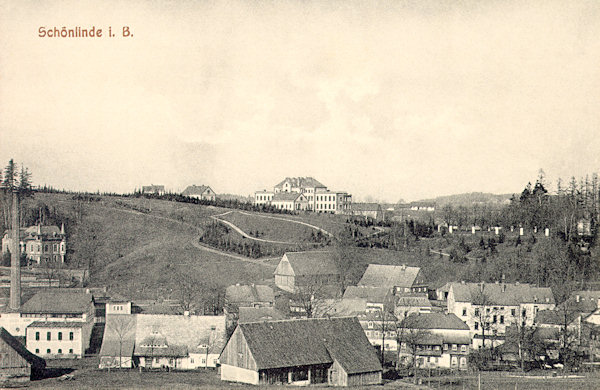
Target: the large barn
(17, 363)
(332, 351)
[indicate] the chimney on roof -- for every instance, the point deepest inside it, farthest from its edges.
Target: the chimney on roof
(481, 286)
(577, 298)
(186, 313)
(503, 287)
(62, 228)
(403, 267)
(462, 282)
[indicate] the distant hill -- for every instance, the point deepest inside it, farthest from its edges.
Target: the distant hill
(469, 199)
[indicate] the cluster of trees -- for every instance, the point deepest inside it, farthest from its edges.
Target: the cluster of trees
(217, 235)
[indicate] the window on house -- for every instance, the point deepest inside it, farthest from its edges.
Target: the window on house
(454, 347)
(476, 325)
(48, 336)
(463, 348)
(71, 350)
(502, 319)
(59, 336)
(59, 351)
(37, 335)
(495, 319)
(48, 350)
(71, 336)
(464, 311)
(37, 350)
(476, 312)
(513, 312)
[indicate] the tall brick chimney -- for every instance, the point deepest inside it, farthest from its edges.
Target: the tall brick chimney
(15, 256)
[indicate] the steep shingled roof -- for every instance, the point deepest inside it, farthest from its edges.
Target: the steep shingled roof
(19, 348)
(311, 263)
(304, 342)
(249, 294)
(301, 182)
(58, 301)
(255, 314)
(507, 294)
(434, 320)
(389, 276)
(370, 293)
(195, 190)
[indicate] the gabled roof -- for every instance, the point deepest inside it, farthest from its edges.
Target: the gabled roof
(366, 207)
(195, 190)
(153, 187)
(249, 294)
(300, 182)
(58, 301)
(370, 293)
(433, 320)
(286, 196)
(389, 276)
(345, 307)
(57, 324)
(181, 330)
(507, 294)
(289, 343)
(255, 314)
(311, 263)
(413, 300)
(20, 349)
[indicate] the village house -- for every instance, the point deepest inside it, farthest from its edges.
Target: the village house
(411, 303)
(397, 278)
(289, 201)
(434, 340)
(314, 270)
(496, 305)
(201, 192)
(368, 210)
(380, 328)
(246, 296)
(40, 243)
(178, 342)
(153, 189)
(55, 304)
(17, 363)
(333, 351)
(333, 202)
(377, 298)
(57, 323)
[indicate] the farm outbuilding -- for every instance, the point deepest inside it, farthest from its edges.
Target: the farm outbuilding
(332, 351)
(16, 362)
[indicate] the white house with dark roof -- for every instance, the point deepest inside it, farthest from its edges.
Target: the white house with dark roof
(58, 340)
(153, 189)
(289, 201)
(398, 278)
(333, 351)
(368, 210)
(306, 269)
(201, 192)
(439, 340)
(497, 305)
(40, 243)
(316, 196)
(179, 342)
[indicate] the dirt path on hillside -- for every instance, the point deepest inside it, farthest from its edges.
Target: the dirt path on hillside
(244, 234)
(194, 240)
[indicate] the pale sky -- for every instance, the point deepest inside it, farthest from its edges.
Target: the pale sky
(387, 99)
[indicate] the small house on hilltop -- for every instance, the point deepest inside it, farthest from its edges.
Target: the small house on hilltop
(153, 189)
(314, 269)
(301, 352)
(399, 278)
(201, 192)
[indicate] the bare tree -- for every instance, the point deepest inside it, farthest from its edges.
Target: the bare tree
(122, 326)
(484, 312)
(188, 290)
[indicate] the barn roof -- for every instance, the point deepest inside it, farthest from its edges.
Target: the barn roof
(312, 263)
(20, 349)
(58, 301)
(370, 293)
(249, 293)
(434, 321)
(507, 294)
(255, 314)
(389, 276)
(289, 343)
